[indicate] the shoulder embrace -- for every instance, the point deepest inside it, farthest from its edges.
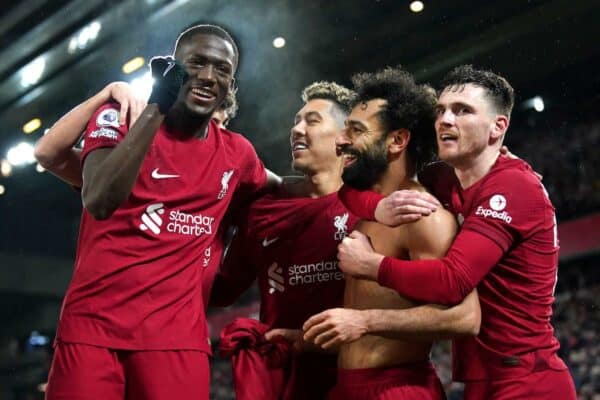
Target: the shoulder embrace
(439, 223)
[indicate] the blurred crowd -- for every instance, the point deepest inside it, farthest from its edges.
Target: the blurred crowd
(567, 157)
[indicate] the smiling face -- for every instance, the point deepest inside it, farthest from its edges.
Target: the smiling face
(363, 145)
(312, 138)
(465, 122)
(210, 62)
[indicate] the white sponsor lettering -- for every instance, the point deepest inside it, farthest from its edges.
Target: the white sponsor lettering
(106, 133)
(206, 260)
(487, 213)
(189, 224)
(179, 222)
(323, 271)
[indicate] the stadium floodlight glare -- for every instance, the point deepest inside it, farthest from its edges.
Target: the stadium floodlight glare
(21, 154)
(133, 65)
(33, 71)
(86, 35)
(5, 168)
(538, 104)
(278, 42)
(417, 6)
(32, 126)
(142, 86)
(2, 190)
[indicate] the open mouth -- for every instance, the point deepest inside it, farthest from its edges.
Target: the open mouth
(203, 95)
(298, 146)
(447, 138)
(349, 159)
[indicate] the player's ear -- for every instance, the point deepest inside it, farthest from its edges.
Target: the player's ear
(499, 127)
(398, 140)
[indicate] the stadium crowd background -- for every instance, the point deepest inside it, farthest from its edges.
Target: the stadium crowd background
(561, 143)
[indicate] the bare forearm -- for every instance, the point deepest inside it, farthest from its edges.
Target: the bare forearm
(108, 183)
(55, 147)
(69, 168)
(427, 322)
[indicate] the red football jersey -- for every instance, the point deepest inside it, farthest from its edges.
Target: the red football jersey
(510, 206)
(138, 276)
(290, 246)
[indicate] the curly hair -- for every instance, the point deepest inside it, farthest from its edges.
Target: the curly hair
(230, 104)
(499, 91)
(332, 91)
(408, 106)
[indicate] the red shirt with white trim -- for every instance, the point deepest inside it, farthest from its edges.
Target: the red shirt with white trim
(138, 276)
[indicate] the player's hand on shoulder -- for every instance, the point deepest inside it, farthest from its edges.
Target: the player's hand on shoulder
(332, 328)
(169, 76)
(130, 102)
(405, 206)
(357, 257)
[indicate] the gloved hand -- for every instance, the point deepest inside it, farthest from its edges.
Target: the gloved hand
(169, 76)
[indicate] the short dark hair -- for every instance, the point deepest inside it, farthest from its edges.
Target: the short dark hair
(207, 29)
(408, 106)
(497, 88)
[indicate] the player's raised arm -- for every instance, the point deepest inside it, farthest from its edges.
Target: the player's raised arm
(55, 152)
(400, 207)
(109, 173)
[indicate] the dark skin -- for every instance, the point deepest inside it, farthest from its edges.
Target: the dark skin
(109, 174)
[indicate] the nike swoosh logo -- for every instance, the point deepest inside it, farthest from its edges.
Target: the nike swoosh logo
(157, 175)
(267, 242)
(169, 67)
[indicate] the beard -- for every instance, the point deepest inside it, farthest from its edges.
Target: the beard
(368, 166)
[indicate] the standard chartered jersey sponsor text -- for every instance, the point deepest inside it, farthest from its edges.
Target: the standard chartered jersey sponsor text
(178, 222)
(320, 272)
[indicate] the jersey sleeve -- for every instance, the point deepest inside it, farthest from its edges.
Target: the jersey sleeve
(103, 130)
(253, 173)
(510, 206)
(361, 203)
(443, 281)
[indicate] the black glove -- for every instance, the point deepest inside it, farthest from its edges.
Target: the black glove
(169, 76)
